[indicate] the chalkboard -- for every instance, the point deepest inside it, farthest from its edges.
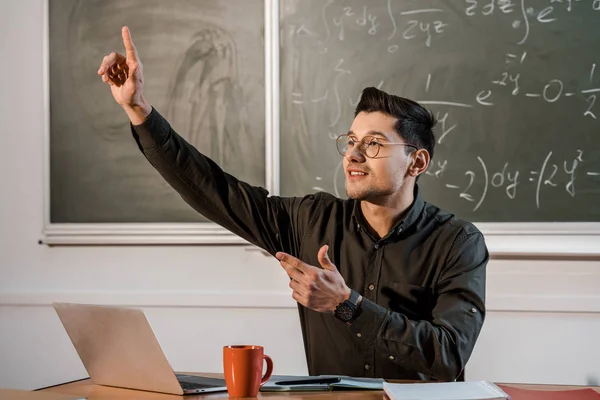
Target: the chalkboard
(515, 85)
(204, 71)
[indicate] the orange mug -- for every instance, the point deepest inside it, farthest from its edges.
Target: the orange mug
(243, 366)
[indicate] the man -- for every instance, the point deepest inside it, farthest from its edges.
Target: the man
(387, 285)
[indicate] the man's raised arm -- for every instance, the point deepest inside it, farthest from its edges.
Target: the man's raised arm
(273, 223)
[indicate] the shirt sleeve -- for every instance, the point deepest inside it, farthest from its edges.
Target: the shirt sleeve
(270, 222)
(439, 348)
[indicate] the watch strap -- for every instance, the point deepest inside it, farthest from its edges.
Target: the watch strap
(354, 297)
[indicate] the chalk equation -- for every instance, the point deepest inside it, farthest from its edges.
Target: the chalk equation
(512, 81)
(553, 173)
(499, 76)
(526, 13)
(425, 24)
(550, 172)
(552, 91)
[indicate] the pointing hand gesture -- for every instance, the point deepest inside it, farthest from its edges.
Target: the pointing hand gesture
(126, 80)
(318, 289)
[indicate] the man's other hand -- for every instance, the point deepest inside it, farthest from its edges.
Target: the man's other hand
(318, 289)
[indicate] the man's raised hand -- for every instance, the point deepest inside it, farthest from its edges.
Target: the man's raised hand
(126, 80)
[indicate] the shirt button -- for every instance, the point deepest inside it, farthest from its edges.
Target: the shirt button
(367, 366)
(359, 334)
(376, 246)
(371, 287)
(392, 358)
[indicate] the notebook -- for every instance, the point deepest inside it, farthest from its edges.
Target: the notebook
(472, 390)
(533, 394)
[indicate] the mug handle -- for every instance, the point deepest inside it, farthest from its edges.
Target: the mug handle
(267, 374)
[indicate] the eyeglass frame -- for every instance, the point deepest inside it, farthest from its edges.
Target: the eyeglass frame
(363, 145)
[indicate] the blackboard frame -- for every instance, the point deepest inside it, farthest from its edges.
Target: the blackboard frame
(503, 239)
(132, 233)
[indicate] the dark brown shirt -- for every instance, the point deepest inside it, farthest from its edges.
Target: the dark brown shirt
(423, 283)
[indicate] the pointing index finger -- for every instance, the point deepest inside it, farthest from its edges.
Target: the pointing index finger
(130, 51)
(293, 261)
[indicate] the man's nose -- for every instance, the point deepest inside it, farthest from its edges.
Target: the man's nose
(355, 154)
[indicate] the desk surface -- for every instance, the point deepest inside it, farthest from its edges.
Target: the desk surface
(95, 392)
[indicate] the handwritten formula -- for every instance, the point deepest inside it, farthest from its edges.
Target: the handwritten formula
(514, 85)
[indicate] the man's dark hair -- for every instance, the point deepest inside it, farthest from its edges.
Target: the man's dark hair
(414, 123)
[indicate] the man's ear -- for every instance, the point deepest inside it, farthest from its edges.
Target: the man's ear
(419, 163)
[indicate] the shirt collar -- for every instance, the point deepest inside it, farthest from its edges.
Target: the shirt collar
(412, 214)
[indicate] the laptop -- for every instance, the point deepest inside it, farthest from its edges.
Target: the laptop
(118, 348)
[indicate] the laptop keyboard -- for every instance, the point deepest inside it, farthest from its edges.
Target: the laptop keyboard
(199, 382)
(192, 386)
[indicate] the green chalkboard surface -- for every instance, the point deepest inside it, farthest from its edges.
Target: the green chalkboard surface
(515, 85)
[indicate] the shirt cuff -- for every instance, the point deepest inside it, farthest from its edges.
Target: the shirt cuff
(368, 324)
(153, 132)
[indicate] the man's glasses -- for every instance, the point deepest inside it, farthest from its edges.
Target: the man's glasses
(369, 145)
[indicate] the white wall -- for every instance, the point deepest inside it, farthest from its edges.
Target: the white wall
(543, 323)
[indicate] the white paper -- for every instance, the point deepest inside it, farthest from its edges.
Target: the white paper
(475, 390)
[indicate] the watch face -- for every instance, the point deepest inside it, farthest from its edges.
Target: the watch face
(344, 313)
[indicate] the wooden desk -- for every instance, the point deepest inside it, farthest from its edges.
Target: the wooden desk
(96, 392)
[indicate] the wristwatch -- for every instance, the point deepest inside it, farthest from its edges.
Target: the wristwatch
(348, 310)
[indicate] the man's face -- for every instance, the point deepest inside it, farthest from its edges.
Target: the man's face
(374, 178)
